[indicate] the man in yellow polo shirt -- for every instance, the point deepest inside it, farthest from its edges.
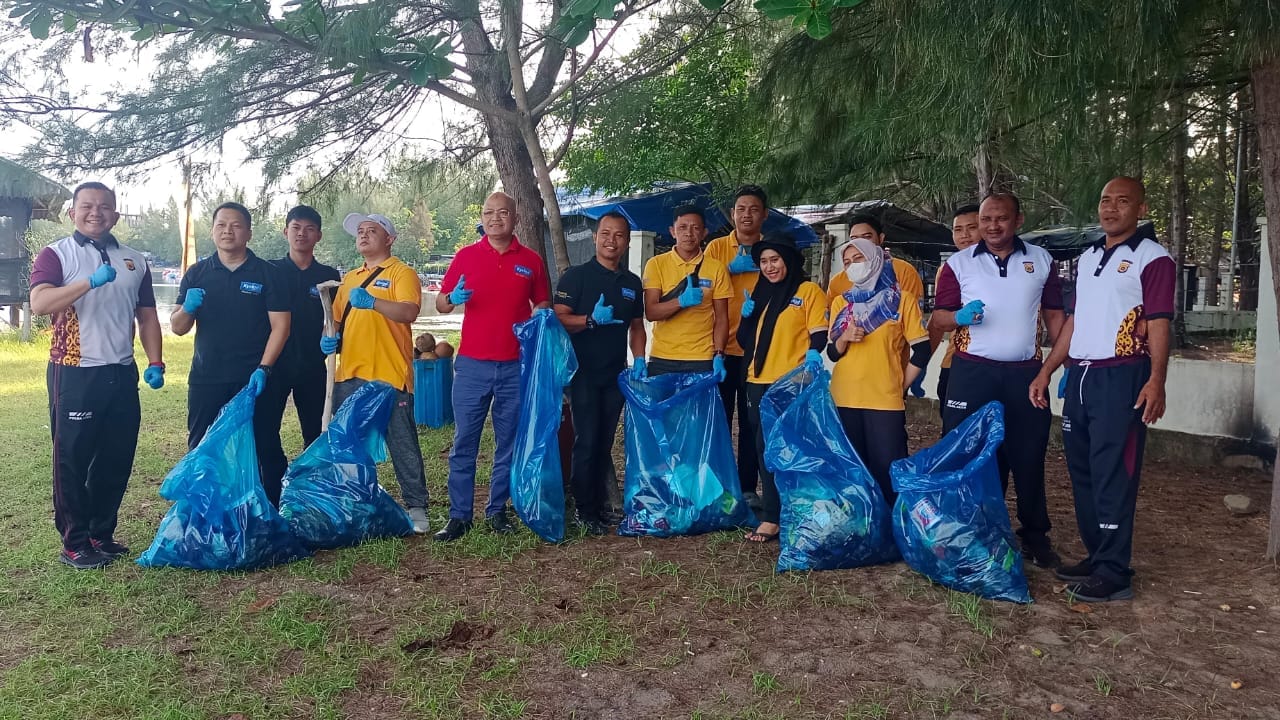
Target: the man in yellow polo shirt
(375, 308)
(868, 227)
(750, 208)
(686, 296)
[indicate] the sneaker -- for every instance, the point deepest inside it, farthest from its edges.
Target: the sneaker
(453, 530)
(592, 526)
(500, 523)
(85, 558)
(421, 525)
(1041, 554)
(1098, 589)
(1076, 573)
(110, 547)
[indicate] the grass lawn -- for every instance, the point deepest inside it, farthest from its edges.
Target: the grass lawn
(509, 627)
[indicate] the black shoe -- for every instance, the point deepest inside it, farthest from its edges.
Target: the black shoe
(611, 517)
(591, 525)
(1098, 589)
(1041, 554)
(1077, 573)
(453, 530)
(500, 523)
(110, 547)
(85, 559)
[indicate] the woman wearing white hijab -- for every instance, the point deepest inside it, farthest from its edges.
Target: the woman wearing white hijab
(872, 325)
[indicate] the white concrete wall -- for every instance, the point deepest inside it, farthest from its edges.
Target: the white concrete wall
(1202, 397)
(1266, 395)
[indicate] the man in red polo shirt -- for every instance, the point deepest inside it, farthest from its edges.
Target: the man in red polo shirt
(501, 283)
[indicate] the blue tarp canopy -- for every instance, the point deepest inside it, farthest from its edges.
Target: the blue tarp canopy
(652, 210)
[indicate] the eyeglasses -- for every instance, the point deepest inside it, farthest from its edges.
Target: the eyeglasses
(503, 213)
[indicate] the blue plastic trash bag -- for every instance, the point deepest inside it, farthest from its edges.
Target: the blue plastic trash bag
(950, 521)
(681, 477)
(221, 518)
(331, 494)
(833, 513)
(547, 363)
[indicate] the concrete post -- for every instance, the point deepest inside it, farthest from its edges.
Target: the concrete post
(1266, 380)
(840, 233)
(640, 252)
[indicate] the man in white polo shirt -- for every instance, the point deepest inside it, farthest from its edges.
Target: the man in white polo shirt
(991, 298)
(1116, 344)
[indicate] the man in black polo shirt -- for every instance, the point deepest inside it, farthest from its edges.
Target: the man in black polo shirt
(601, 304)
(300, 369)
(239, 308)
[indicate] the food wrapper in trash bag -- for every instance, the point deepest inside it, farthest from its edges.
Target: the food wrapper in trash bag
(331, 495)
(950, 520)
(681, 477)
(833, 513)
(547, 364)
(221, 518)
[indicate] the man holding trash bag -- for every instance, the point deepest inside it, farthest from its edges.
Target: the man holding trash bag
(686, 296)
(500, 282)
(1116, 345)
(374, 309)
(95, 289)
(239, 307)
(991, 298)
(601, 304)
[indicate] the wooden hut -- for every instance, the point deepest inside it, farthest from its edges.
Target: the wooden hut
(25, 195)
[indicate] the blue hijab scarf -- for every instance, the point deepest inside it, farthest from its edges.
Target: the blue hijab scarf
(875, 300)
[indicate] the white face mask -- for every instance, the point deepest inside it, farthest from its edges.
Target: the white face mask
(858, 272)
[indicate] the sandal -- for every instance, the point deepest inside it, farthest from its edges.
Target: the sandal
(756, 536)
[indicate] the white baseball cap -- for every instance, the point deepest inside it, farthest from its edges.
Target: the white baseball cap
(351, 223)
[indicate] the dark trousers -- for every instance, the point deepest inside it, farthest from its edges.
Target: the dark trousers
(204, 402)
(307, 387)
(1103, 437)
(402, 442)
(944, 376)
(94, 416)
(661, 366)
(733, 394)
(1026, 431)
(596, 404)
(770, 503)
(879, 437)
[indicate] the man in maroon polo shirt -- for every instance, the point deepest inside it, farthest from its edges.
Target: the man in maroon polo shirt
(501, 283)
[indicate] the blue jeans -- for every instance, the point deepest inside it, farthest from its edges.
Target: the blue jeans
(477, 384)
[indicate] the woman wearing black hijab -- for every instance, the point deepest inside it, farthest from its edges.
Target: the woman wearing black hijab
(784, 323)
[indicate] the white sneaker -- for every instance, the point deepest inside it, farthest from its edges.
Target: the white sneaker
(421, 525)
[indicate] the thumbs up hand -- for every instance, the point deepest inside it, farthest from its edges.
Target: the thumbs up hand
(460, 293)
(602, 314)
(748, 305)
(692, 294)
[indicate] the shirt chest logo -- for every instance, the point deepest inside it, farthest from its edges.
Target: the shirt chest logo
(314, 291)
(797, 302)
(383, 283)
(1124, 266)
(628, 293)
(251, 288)
(524, 271)
(1030, 267)
(128, 263)
(704, 282)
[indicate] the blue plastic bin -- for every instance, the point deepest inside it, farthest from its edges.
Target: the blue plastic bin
(433, 392)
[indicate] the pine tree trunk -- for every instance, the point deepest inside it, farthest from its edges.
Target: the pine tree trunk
(515, 170)
(1178, 221)
(1212, 289)
(1266, 103)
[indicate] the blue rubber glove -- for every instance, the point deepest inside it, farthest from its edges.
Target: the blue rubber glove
(692, 294)
(742, 263)
(1062, 385)
(460, 293)
(103, 275)
(717, 368)
(193, 301)
(154, 376)
(543, 311)
(329, 343)
(360, 299)
(258, 381)
(639, 370)
(970, 314)
(748, 305)
(813, 357)
(603, 314)
(917, 387)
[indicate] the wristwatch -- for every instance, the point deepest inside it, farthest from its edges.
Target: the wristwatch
(591, 323)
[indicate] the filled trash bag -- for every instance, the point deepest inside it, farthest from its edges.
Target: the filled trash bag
(833, 513)
(547, 364)
(331, 495)
(950, 521)
(221, 518)
(681, 477)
